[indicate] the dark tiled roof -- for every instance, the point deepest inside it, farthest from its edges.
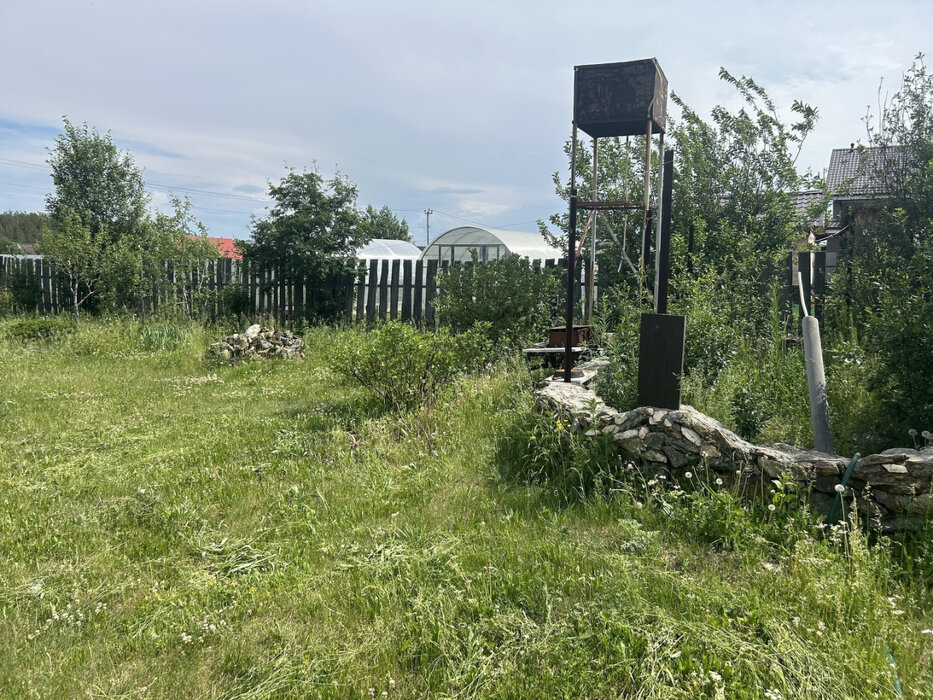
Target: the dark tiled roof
(802, 202)
(859, 172)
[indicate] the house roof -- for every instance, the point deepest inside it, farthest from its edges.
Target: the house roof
(860, 173)
(227, 247)
(802, 203)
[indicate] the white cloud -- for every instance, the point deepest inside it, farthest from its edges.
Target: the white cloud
(471, 95)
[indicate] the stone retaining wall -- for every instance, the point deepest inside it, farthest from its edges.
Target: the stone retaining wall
(893, 487)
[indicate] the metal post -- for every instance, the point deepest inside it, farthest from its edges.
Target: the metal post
(663, 255)
(647, 193)
(591, 270)
(658, 222)
(427, 214)
(571, 263)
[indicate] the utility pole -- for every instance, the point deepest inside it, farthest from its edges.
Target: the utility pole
(427, 213)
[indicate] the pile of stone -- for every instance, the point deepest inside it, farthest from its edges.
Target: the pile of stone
(256, 342)
(893, 488)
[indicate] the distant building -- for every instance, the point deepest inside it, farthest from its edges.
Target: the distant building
(388, 249)
(457, 244)
(858, 179)
(227, 247)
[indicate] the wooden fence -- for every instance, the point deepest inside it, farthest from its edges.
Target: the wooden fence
(383, 289)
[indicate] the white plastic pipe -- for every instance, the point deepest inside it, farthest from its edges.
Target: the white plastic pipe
(816, 378)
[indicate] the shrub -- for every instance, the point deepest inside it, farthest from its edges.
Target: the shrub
(517, 300)
(617, 382)
(403, 367)
(29, 330)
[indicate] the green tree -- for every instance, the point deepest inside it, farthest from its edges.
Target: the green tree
(382, 223)
(735, 180)
(78, 257)
(310, 234)
(22, 227)
(735, 177)
(620, 170)
(881, 290)
(180, 252)
(96, 182)
(99, 223)
(515, 301)
(7, 246)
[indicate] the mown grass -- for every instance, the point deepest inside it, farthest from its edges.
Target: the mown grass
(174, 529)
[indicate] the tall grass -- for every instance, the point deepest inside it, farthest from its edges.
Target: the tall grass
(174, 529)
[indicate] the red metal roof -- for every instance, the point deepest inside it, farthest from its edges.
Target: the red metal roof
(226, 247)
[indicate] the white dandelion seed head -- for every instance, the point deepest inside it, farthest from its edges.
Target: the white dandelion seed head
(771, 507)
(718, 482)
(840, 488)
(689, 475)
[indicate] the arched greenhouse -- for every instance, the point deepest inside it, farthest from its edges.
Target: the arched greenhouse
(457, 244)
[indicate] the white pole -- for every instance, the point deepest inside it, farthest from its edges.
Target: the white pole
(816, 378)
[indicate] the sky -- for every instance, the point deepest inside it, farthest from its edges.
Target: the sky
(457, 107)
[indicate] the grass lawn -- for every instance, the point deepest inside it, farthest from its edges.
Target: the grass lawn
(175, 529)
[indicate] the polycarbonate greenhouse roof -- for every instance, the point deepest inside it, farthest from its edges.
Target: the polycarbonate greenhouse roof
(387, 248)
(456, 245)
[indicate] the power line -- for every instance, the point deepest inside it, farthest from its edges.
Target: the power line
(189, 190)
(27, 187)
(23, 164)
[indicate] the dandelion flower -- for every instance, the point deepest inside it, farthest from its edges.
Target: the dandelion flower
(718, 482)
(840, 488)
(771, 507)
(689, 475)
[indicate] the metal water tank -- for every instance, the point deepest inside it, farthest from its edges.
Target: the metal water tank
(618, 99)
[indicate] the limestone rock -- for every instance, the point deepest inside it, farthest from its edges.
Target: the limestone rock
(256, 341)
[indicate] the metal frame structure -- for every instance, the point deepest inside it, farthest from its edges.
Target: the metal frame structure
(619, 122)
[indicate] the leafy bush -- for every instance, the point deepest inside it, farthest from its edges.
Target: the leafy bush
(716, 320)
(403, 367)
(517, 300)
(617, 382)
(46, 328)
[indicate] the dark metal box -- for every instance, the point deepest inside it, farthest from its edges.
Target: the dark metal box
(618, 99)
(557, 335)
